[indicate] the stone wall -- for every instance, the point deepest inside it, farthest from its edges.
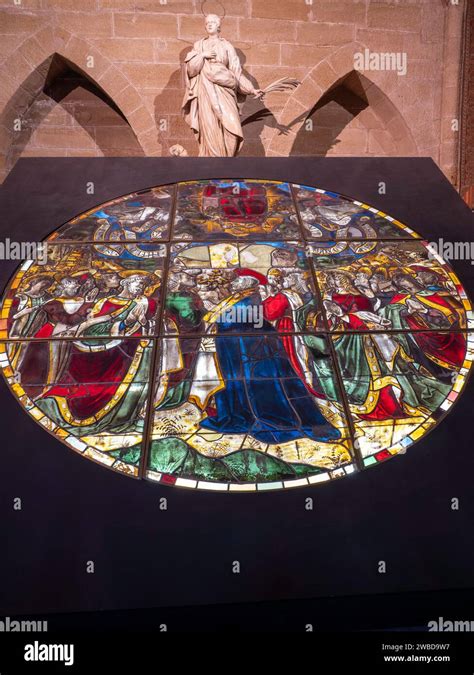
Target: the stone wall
(103, 77)
(467, 106)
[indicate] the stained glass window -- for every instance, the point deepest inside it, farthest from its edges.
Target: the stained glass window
(236, 335)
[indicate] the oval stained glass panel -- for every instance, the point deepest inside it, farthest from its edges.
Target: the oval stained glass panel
(238, 335)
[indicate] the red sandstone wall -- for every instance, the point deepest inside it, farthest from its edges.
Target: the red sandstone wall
(102, 77)
(467, 130)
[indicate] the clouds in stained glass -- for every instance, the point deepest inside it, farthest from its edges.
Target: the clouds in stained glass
(328, 216)
(236, 335)
(140, 216)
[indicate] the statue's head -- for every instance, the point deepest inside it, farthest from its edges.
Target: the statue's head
(213, 24)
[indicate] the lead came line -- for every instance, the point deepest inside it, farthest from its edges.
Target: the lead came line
(150, 411)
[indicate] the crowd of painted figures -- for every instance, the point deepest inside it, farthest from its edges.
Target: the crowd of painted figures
(260, 339)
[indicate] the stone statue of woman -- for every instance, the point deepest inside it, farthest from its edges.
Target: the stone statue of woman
(215, 85)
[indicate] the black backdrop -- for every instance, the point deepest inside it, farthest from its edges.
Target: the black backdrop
(75, 511)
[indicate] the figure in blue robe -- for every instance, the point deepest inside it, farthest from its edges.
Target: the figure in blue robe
(263, 395)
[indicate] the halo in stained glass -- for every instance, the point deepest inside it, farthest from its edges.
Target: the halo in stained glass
(236, 335)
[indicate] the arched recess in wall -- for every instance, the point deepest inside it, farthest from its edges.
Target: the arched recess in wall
(60, 110)
(353, 117)
(333, 81)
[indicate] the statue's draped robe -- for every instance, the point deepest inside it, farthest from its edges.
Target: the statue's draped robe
(213, 91)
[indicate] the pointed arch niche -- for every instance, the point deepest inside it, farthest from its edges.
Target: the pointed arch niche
(353, 117)
(60, 110)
